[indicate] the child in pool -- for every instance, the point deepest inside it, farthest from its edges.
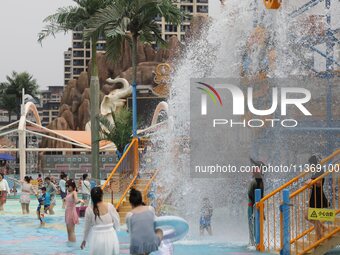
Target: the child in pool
(44, 205)
(206, 214)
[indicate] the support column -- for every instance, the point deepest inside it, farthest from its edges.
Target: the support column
(285, 210)
(22, 153)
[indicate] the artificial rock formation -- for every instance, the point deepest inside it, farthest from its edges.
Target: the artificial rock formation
(75, 104)
(74, 111)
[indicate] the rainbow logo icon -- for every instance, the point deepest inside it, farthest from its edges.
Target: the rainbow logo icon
(211, 92)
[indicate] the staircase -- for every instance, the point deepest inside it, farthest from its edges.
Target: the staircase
(123, 177)
(302, 233)
(143, 186)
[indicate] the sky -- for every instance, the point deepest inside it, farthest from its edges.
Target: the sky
(20, 22)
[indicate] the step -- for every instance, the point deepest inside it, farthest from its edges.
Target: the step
(125, 208)
(142, 181)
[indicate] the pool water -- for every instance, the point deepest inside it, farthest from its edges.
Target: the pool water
(22, 235)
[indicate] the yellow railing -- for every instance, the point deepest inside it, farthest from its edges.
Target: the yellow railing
(147, 188)
(123, 175)
(269, 208)
(303, 236)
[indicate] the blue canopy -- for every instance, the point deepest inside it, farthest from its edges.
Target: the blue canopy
(4, 156)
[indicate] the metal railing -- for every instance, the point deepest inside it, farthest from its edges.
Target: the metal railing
(304, 235)
(123, 175)
(270, 231)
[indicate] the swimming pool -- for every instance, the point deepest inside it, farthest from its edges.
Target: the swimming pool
(22, 234)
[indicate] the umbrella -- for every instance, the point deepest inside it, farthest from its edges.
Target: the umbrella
(4, 156)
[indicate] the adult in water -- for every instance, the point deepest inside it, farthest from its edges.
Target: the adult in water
(317, 197)
(52, 190)
(4, 190)
(141, 226)
(26, 191)
(103, 219)
(256, 183)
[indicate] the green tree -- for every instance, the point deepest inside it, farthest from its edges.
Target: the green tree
(75, 18)
(120, 132)
(132, 20)
(11, 91)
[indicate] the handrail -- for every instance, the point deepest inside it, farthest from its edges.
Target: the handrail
(126, 191)
(306, 186)
(135, 172)
(264, 245)
(323, 238)
(118, 164)
(323, 161)
(149, 183)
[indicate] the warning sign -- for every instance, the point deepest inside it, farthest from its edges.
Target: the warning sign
(321, 214)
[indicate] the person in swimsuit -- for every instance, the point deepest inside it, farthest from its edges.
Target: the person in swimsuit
(206, 214)
(317, 197)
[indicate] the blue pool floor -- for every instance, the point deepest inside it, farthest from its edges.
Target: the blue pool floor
(22, 235)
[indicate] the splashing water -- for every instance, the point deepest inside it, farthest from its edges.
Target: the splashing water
(219, 52)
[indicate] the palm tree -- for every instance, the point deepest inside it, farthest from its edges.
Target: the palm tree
(11, 91)
(132, 20)
(118, 132)
(75, 18)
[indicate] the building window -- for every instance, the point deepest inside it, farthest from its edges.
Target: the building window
(185, 28)
(77, 36)
(78, 45)
(101, 46)
(202, 9)
(170, 28)
(78, 54)
(77, 71)
(202, 1)
(78, 62)
(67, 69)
(185, 8)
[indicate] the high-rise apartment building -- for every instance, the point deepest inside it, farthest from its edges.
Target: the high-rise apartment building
(50, 103)
(67, 65)
(191, 7)
(78, 56)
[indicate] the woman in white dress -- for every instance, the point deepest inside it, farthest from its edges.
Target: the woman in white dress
(26, 191)
(102, 220)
